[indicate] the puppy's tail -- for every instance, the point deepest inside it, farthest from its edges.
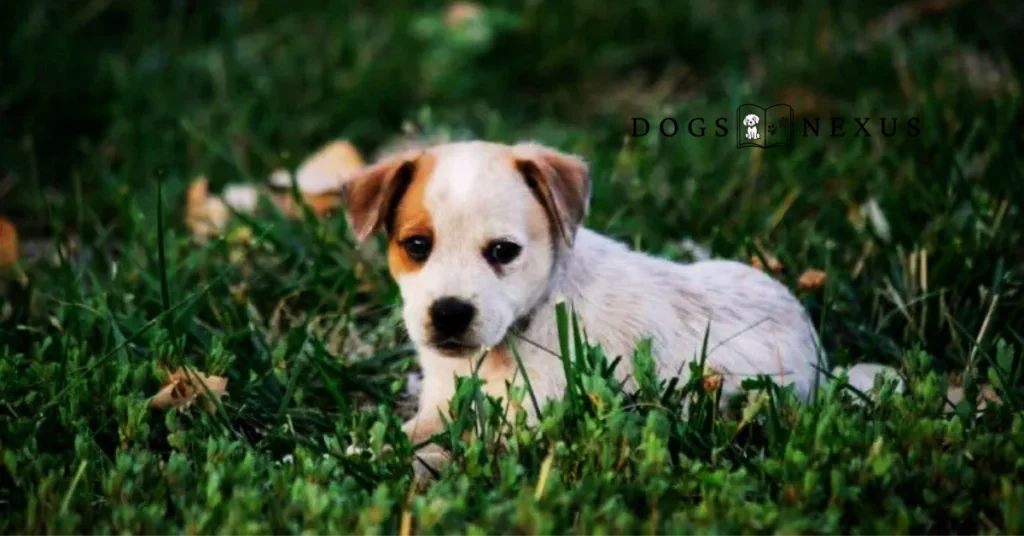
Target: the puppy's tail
(862, 376)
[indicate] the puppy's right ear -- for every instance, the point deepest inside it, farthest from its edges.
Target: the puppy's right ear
(560, 181)
(371, 195)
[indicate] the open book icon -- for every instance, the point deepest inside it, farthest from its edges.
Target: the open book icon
(765, 127)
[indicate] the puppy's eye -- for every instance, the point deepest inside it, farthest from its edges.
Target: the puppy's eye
(417, 247)
(501, 252)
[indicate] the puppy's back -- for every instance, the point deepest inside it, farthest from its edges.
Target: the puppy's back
(754, 324)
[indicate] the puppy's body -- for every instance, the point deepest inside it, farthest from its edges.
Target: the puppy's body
(485, 239)
(753, 323)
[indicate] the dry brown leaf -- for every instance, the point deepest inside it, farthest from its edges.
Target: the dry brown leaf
(986, 395)
(185, 386)
(324, 204)
(773, 262)
(812, 280)
(318, 179)
(205, 215)
(712, 383)
(460, 12)
(324, 171)
(321, 205)
(9, 251)
(196, 196)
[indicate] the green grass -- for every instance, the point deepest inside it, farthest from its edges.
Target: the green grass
(109, 108)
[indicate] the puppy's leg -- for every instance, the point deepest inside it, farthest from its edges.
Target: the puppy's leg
(429, 457)
(422, 426)
(429, 460)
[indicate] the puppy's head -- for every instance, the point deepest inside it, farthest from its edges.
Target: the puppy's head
(474, 230)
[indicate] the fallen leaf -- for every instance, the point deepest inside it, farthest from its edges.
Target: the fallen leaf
(812, 280)
(712, 383)
(323, 172)
(241, 197)
(755, 401)
(986, 395)
(185, 386)
(318, 179)
(205, 215)
(321, 205)
(460, 12)
(9, 250)
(773, 262)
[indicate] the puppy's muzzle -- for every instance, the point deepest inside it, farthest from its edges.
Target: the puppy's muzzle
(450, 318)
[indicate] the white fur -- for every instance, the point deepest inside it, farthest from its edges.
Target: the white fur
(754, 324)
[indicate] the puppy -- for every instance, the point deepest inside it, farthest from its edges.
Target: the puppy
(484, 239)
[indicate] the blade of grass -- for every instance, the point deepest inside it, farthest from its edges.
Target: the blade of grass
(562, 319)
(165, 292)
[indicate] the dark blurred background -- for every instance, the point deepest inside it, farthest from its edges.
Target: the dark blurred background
(124, 88)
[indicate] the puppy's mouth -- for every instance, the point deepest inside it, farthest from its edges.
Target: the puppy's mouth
(454, 347)
(457, 347)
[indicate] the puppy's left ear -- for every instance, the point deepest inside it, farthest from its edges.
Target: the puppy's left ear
(561, 183)
(371, 194)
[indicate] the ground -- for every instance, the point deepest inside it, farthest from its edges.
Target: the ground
(108, 109)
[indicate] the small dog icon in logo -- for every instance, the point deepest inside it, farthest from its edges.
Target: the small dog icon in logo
(751, 121)
(765, 127)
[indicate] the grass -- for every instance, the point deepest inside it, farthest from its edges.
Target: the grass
(109, 108)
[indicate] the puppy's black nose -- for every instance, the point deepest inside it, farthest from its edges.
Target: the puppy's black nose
(451, 316)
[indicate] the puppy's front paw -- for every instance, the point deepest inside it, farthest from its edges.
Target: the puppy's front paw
(426, 462)
(429, 460)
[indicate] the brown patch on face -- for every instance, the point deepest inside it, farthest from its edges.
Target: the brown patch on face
(410, 218)
(499, 361)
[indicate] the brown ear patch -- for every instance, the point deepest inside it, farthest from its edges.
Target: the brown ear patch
(409, 217)
(529, 170)
(560, 182)
(371, 195)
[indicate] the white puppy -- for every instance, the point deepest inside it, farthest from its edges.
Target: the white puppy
(484, 239)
